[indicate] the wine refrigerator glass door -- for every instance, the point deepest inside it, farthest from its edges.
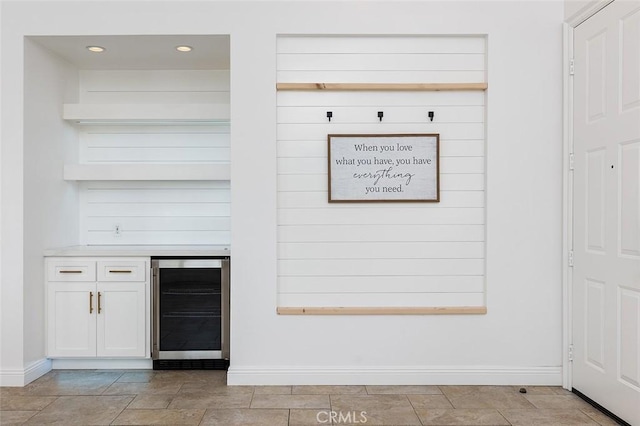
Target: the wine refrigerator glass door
(190, 308)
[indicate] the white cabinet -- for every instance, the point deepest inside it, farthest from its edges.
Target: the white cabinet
(105, 316)
(121, 319)
(71, 319)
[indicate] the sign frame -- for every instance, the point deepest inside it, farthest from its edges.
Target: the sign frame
(350, 185)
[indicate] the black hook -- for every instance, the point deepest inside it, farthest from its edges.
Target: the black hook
(329, 115)
(380, 115)
(431, 114)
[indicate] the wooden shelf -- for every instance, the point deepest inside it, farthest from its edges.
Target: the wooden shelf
(447, 310)
(137, 172)
(382, 86)
(162, 114)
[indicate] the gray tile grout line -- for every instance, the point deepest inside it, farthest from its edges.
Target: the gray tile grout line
(253, 393)
(56, 398)
(333, 422)
(204, 413)
(109, 385)
(129, 403)
(414, 408)
(503, 416)
(593, 419)
(445, 395)
(454, 407)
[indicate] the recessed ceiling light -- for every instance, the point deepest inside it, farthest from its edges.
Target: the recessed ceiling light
(184, 48)
(96, 49)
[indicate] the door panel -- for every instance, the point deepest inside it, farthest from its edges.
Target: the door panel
(595, 200)
(121, 319)
(629, 212)
(596, 85)
(71, 319)
(630, 46)
(629, 324)
(594, 331)
(606, 275)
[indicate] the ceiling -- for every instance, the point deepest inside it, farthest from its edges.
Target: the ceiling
(140, 52)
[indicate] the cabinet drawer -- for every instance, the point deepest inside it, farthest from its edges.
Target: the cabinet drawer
(71, 270)
(122, 270)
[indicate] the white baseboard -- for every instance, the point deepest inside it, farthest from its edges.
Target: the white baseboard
(89, 364)
(550, 376)
(22, 377)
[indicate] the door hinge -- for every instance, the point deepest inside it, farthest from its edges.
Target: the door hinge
(571, 258)
(571, 161)
(571, 353)
(572, 68)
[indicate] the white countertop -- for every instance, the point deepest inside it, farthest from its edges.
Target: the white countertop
(148, 250)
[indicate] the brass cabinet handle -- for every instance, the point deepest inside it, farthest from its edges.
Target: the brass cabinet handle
(90, 302)
(99, 297)
(123, 271)
(72, 271)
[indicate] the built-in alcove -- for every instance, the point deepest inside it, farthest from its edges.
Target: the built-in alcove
(139, 137)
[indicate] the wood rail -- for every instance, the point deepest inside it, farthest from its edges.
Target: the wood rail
(444, 310)
(382, 86)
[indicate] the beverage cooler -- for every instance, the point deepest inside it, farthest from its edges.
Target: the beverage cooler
(190, 313)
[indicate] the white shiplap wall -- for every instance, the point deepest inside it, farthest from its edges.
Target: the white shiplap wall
(154, 212)
(380, 254)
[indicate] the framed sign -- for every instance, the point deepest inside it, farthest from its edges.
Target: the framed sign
(384, 168)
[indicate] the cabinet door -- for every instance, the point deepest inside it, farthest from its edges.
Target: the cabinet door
(121, 319)
(71, 319)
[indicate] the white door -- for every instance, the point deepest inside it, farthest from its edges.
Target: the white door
(121, 319)
(606, 223)
(71, 319)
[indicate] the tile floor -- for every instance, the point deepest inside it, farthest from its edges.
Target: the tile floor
(108, 397)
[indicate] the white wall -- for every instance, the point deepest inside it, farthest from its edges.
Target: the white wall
(522, 329)
(50, 204)
(518, 341)
(11, 225)
(4, 354)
